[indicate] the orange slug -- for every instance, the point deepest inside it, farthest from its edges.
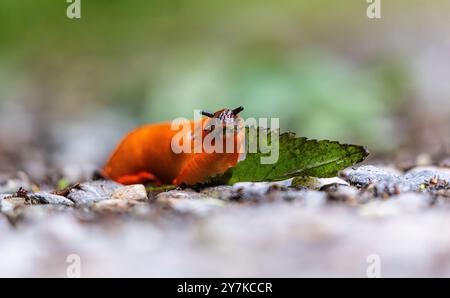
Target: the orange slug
(146, 155)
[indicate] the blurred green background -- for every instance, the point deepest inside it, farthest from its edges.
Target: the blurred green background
(70, 88)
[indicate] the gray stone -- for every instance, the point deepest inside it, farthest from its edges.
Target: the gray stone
(387, 181)
(420, 175)
(384, 181)
(94, 191)
(47, 198)
(257, 190)
(366, 175)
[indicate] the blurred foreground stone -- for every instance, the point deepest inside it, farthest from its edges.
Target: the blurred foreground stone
(245, 230)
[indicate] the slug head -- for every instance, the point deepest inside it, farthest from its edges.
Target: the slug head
(225, 120)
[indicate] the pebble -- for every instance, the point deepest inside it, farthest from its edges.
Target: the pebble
(257, 190)
(386, 181)
(249, 190)
(420, 175)
(306, 182)
(94, 191)
(47, 198)
(365, 175)
(134, 192)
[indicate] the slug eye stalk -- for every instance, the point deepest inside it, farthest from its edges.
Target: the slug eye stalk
(207, 114)
(237, 110)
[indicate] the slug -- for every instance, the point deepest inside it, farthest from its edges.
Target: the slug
(146, 155)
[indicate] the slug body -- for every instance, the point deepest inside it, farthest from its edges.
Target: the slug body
(146, 155)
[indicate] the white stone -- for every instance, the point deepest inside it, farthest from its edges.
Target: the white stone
(135, 192)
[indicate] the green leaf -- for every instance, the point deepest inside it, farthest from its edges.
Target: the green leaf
(298, 156)
(63, 183)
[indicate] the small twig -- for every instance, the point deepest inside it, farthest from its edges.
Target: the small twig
(65, 192)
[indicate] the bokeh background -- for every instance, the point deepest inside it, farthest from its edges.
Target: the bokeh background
(70, 89)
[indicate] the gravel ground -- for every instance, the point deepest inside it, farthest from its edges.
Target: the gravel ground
(370, 215)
